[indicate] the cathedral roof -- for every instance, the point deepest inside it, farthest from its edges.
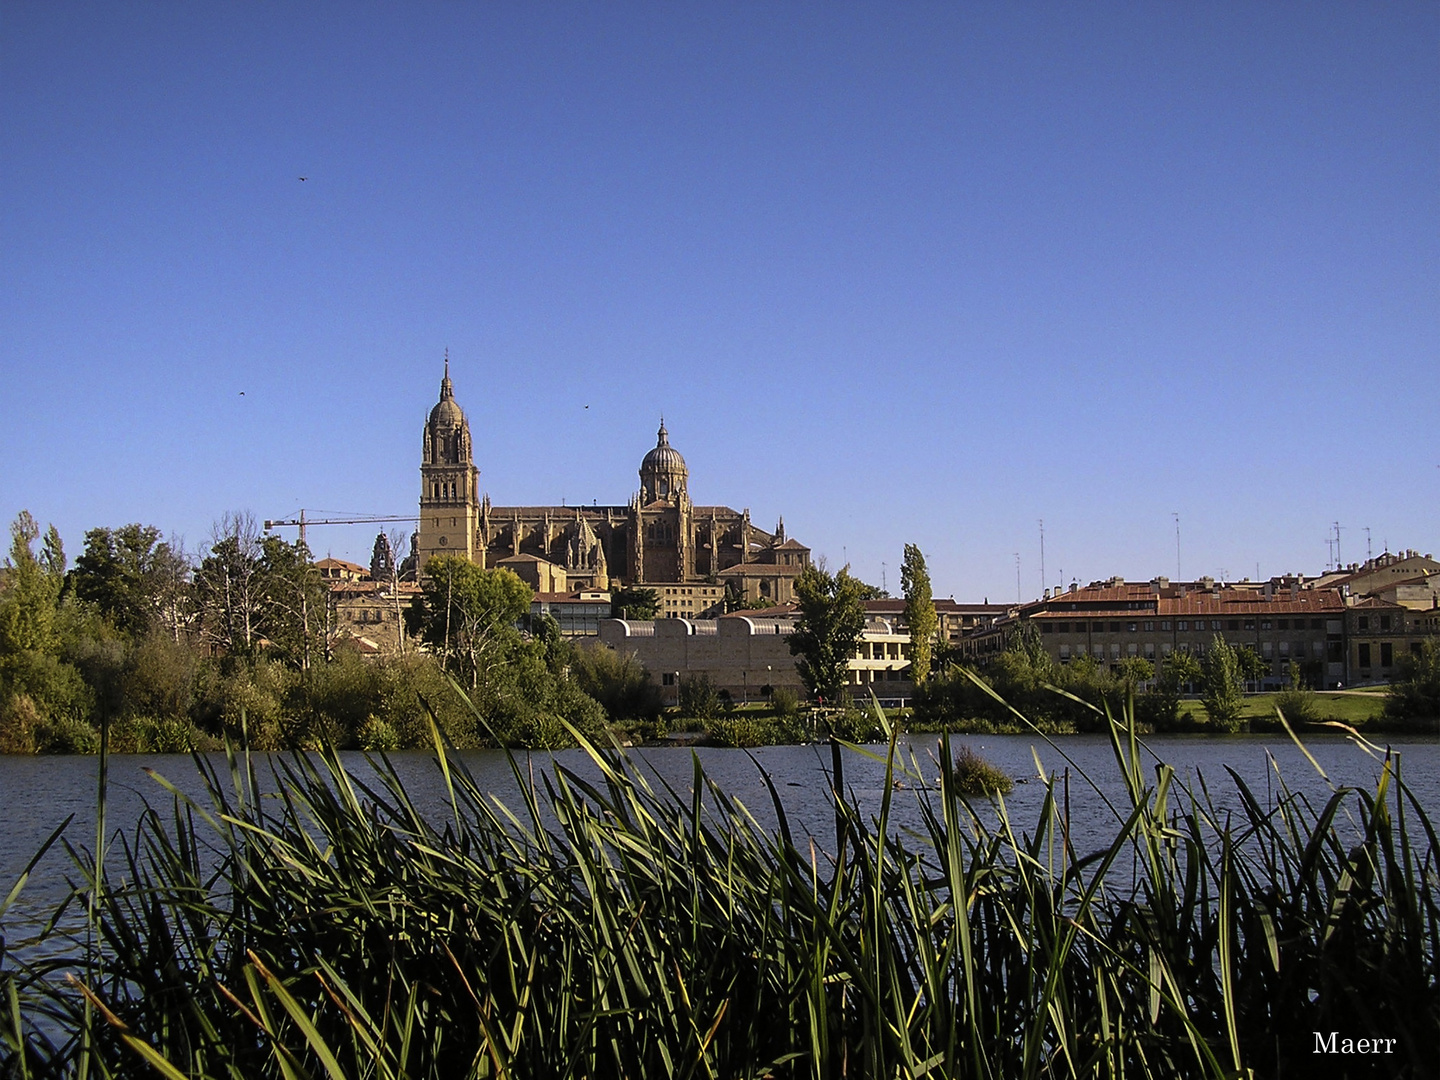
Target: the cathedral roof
(664, 458)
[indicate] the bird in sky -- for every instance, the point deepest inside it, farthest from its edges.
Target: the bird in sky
(304, 178)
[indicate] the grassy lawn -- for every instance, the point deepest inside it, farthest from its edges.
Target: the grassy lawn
(1352, 708)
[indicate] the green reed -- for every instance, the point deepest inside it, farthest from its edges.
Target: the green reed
(619, 927)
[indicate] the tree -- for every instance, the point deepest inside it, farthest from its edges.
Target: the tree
(467, 612)
(831, 620)
(1252, 666)
(1221, 680)
(1135, 670)
(30, 589)
(919, 613)
(229, 584)
(292, 601)
(634, 603)
(1415, 692)
(132, 577)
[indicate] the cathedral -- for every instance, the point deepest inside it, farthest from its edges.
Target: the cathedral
(659, 540)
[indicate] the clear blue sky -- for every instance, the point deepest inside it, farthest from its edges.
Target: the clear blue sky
(909, 272)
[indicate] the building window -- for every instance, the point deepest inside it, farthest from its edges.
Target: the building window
(1115, 629)
(1234, 625)
(668, 679)
(1387, 654)
(1264, 624)
(1365, 623)
(1165, 625)
(1149, 626)
(1284, 624)
(1249, 624)
(1365, 654)
(1131, 627)
(1182, 625)
(1384, 622)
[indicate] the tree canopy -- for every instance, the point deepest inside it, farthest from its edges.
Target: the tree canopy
(466, 611)
(830, 623)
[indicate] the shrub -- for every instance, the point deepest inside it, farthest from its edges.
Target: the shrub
(698, 697)
(785, 701)
(1415, 693)
(377, 736)
(19, 719)
(853, 725)
(619, 683)
(67, 735)
(739, 730)
(976, 776)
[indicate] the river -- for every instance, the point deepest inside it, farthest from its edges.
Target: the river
(37, 793)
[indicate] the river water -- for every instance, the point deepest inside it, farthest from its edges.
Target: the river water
(38, 793)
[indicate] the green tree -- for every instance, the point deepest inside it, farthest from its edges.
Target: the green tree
(919, 613)
(131, 576)
(229, 585)
(30, 589)
(1253, 667)
(292, 602)
(1223, 692)
(634, 603)
(1415, 692)
(1135, 670)
(467, 612)
(831, 621)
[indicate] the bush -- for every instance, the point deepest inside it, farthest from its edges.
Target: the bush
(739, 730)
(785, 702)
(19, 720)
(976, 776)
(67, 735)
(619, 683)
(854, 725)
(1415, 693)
(377, 736)
(698, 697)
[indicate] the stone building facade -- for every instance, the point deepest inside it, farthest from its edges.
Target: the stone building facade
(660, 537)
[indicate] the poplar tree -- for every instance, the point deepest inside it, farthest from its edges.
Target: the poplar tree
(919, 613)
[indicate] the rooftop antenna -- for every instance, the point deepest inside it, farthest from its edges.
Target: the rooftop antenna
(1019, 596)
(884, 584)
(1369, 555)
(1338, 561)
(1042, 555)
(1176, 515)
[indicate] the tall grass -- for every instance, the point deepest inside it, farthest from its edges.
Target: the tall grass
(618, 927)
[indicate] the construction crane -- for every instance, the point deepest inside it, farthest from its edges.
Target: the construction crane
(302, 521)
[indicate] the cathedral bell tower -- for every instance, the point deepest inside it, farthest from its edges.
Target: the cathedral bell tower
(449, 483)
(662, 548)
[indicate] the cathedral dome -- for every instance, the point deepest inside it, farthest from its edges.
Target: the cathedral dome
(664, 458)
(447, 412)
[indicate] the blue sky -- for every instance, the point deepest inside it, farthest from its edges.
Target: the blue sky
(901, 273)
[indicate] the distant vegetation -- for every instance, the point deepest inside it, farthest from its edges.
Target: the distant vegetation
(167, 651)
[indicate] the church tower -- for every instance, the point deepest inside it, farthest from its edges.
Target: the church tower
(449, 483)
(662, 548)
